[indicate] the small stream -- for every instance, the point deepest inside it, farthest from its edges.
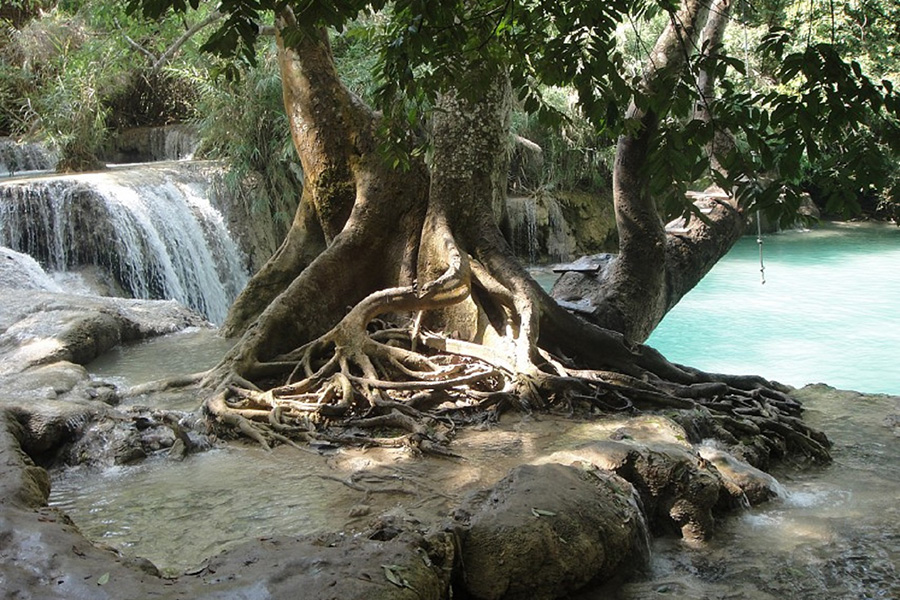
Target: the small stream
(182, 353)
(835, 535)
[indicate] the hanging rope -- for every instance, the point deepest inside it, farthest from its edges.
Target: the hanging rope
(759, 242)
(748, 81)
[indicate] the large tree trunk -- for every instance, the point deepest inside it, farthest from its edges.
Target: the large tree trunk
(658, 264)
(416, 310)
(692, 249)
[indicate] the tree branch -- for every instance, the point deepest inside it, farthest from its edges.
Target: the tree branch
(166, 56)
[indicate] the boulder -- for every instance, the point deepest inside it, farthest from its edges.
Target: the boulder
(545, 531)
(678, 488)
(757, 486)
(335, 567)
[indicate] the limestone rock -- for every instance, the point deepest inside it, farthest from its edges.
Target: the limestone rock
(678, 489)
(756, 485)
(334, 568)
(21, 271)
(545, 531)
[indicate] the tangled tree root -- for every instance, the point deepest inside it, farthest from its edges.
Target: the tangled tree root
(399, 387)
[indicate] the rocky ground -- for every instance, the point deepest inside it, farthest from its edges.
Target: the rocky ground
(580, 515)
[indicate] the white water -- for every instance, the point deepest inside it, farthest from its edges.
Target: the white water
(539, 229)
(151, 228)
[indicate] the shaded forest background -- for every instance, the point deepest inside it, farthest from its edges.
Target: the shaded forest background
(76, 72)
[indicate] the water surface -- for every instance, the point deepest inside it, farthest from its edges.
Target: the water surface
(835, 535)
(828, 312)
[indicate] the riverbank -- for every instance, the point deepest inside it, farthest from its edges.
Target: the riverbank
(552, 504)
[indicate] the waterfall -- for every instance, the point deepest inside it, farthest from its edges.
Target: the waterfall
(560, 245)
(523, 224)
(19, 157)
(148, 144)
(151, 228)
(539, 229)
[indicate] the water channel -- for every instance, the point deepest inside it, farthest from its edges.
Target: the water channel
(827, 312)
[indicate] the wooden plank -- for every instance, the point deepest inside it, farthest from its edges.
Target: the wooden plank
(585, 264)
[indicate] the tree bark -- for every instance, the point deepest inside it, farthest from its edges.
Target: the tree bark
(657, 264)
(416, 300)
(357, 227)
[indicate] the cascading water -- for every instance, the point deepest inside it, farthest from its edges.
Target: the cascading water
(523, 220)
(148, 144)
(152, 228)
(560, 245)
(18, 157)
(539, 229)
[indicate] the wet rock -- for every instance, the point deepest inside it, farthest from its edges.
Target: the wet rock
(16, 156)
(20, 271)
(38, 328)
(131, 436)
(178, 450)
(130, 452)
(333, 568)
(23, 483)
(892, 422)
(148, 144)
(103, 392)
(46, 425)
(60, 377)
(545, 531)
(757, 486)
(678, 489)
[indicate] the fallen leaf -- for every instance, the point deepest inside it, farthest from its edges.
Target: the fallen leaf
(542, 513)
(104, 579)
(391, 572)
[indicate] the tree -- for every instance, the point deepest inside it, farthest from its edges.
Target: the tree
(395, 302)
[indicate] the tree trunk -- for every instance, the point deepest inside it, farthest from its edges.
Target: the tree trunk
(416, 311)
(657, 264)
(693, 249)
(358, 223)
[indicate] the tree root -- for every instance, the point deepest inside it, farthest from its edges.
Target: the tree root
(378, 381)
(372, 389)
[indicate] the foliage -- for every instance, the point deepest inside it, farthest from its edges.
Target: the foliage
(573, 155)
(818, 120)
(356, 55)
(85, 67)
(243, 122)
(18, 12)
(786, 127)
(794, 102)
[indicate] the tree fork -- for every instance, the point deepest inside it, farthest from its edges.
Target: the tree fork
(416, 311)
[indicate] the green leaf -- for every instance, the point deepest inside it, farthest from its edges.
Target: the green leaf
(104, 579)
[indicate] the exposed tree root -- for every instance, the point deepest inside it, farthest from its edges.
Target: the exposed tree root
(401, 386)
(380, 377)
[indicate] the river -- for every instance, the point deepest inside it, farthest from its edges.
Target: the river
(827, 312)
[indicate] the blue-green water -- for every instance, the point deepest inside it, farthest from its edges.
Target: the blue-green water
(828, 312)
